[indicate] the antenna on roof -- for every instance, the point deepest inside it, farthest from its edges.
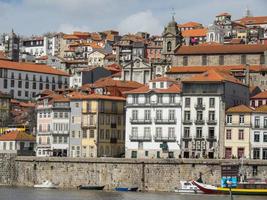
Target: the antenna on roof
(248, 12)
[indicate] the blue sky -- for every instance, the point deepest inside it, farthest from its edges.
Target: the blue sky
(29, 17)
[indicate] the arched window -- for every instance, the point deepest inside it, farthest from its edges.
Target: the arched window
(211, 37)
(169, 46)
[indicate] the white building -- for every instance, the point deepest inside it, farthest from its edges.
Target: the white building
(153, 120)
(258, 140)
(25, 80)
(205, 98)
(96, 58)
(53, 124)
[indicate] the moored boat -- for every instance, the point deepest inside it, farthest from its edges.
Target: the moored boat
(187, 187)
(91, 187)
(210, 189)
(126, 189)
(46, 184)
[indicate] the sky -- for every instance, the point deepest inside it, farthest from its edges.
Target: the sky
(33, 17)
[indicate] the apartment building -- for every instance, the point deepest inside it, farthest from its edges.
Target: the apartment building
(153, 120)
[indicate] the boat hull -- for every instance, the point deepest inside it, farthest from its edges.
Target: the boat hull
(126, 189)
(208, 189)
(90, 187)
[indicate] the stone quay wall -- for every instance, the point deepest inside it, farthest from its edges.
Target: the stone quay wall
(148, 175)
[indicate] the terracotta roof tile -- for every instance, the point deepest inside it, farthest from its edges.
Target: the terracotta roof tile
(189, 24)
(223, 14)
(262, 108)
(221, 49)
(31, 68)
(262, 95)
(253, 20)
(104, 97)
(240, 109)
(174, 88)
(109, 82)
(195, 33)
(163, 79)
(213, 76)
(17, 136)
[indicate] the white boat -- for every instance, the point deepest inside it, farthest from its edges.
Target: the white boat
(46, 184)
(187, 187)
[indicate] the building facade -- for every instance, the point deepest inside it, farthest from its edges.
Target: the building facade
(237, 132)
(4, 109)
(153, 120)
(24, 80)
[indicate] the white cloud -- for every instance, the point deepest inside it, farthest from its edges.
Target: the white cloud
(69, 28)
(141, 21)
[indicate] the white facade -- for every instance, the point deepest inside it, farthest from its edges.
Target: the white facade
(96, 58)
(76, 80)
(15, 146)
(258, 136)
(24, 84)
(200, 125)
(53, 125)
(153, 123)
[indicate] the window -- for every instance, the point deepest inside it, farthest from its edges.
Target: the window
(65, 140)
(172, 98)
(147, 132)
(73, 134)
(241, 134)
(92, 134)
(147, 99)
(146, 153)
(107, 135)
(229, 119)
(186, 132)
(147, 114)
(102, 137)
(243, 59)
(256, 153)
(134, 154)
(19, 84)
(33, 85)
(199, 115)
(169, 46)
(257, 122)
(241, 119)
(221, 60)
(159, 114)
(260, 101)
(256, 137)
(5, 83)
(12, 83)
(265, 122)
(187, 115)
(185, 60)
(171, 114)
(211, 133)
(187, 102)
(134, 131)
(135, 114)
(154, 85)
(27, 85)
(211, 115)
(161, 84)
(159, 132)
(19, 93)
(107, 119)
(199, 101)
(84, 134)
(135, 99)
(264, 137)
(262, 59)
(114, 107)
(159, 98)
(264, 154)
(40, 86)
(204, 60)
(212, 102)
(199, 132)
(228, 134)
(171, 132)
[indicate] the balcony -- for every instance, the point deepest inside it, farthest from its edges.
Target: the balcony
(158, 138)
(212, 122)
(136, 138)
(187, 121)
(199, 106)
(165, 121)
(186, 137)
(88, 125)
(140, 121)
(211, 138)
(199, 137)
(113, 140)
(61, 132)
(199, 122)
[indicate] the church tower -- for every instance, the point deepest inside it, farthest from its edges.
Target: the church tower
(172, 39)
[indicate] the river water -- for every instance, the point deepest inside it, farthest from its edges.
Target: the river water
(21, 193)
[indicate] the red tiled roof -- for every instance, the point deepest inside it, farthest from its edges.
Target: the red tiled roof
(199, 69)
(223, 14)
(174, 88)
(17, 136)
(104, 97)
(195, 33)
(189, 24)
(163, 79)
(27, 104)
(221, 49)
(262, 95)
(239, 109)
(70, 37)
(253, 20)
(262, 108)
(213, 76)
(109, 82)
(31, 68)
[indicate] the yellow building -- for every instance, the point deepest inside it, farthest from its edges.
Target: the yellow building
(4, 110)
(237, 132)
(103, 126)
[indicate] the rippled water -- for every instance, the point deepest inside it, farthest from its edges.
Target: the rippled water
(21, 193)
